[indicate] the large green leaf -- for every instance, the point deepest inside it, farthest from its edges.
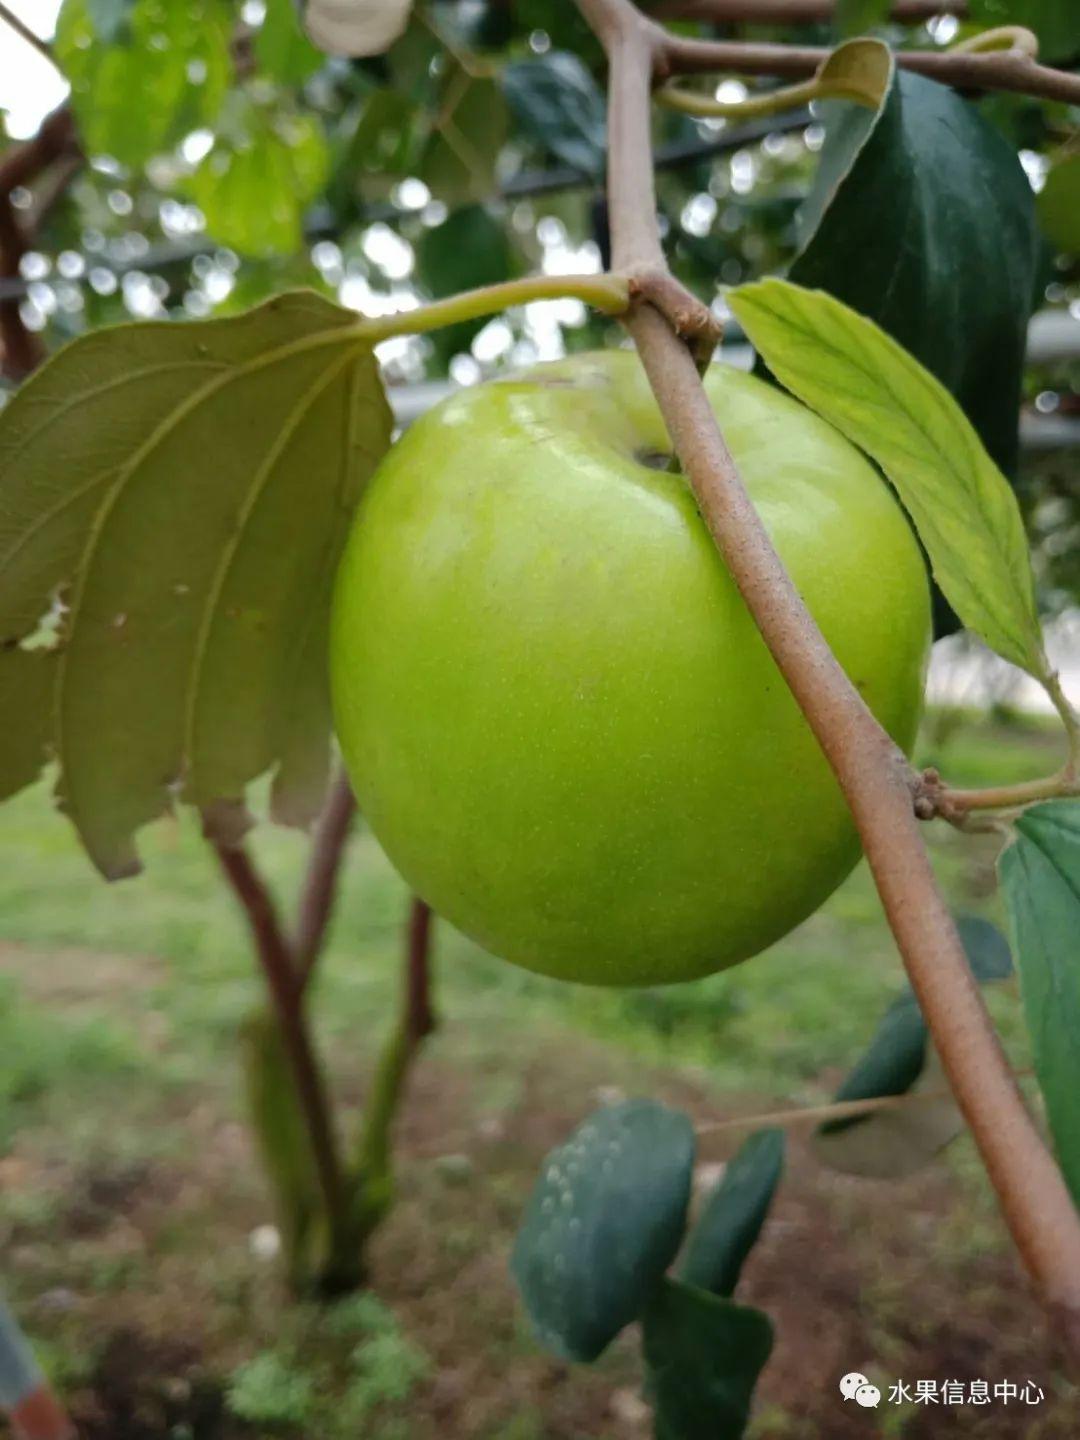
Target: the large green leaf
(704, 1355)
(255, 186)
(899, 1060)
(921, 218)
(603, 1224)
(732, 1216)
(1040, 875)
(137, 98)
(186, 489)
(559, 105)
(1055, 22)
(866, 384)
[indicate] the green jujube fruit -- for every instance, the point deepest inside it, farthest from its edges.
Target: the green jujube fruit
(557, 713)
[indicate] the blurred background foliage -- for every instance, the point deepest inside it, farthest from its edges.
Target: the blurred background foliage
(222, 157)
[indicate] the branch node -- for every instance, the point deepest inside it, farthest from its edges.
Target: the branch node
(691, 319)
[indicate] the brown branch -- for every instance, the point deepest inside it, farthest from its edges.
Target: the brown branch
(876, 779)
(419, 1015)
(321, 880)
(21, 351)
(794, 12)
(279, 969)
(1011, 70)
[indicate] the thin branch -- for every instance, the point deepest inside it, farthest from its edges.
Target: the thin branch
(1012, 70)
(320, 882)
(41, 45)
(874, 775)
(795, 12)
(835, 1110)
(279, 968)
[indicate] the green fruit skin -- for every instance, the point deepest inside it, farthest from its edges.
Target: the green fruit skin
(558, 716)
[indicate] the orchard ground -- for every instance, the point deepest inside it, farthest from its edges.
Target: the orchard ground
(132, 1217)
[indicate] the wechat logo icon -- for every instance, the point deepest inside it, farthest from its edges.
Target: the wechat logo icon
(858, 1388)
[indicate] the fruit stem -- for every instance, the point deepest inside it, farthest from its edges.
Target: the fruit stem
(878, 784)
(607, 293)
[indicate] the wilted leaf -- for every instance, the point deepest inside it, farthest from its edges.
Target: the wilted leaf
(921, 218)
(355, 27)
(171, 73)
(704, 1356)
(1059, 205)
(862, 381)
(187, 488)
(603, 1224)
(255, 190)
(282, 50)
(1040, 876)
(732, 1216)
(560, 106)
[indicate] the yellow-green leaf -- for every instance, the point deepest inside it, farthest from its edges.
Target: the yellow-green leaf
(849, 371)
(186, 489)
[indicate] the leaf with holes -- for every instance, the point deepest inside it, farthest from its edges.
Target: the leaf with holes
(171, 72)
(704, 1355)
(900, 1061)
(603, 1224)
(560, 106)
(732, 1216)
(1040, 877)
(866, 384)
(186, 489)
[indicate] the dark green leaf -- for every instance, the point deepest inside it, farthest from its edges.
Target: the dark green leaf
(891, 1064)
(862, 381)
(187, 489)
(603, 1224)
(704, 1356)
(282, 50)
(1055, 22)
(986, 948)
(136, 99)
(255, 187)
(1059, 205)
(732, 1216)
(1040, 875)
(900, 1060)
(560, 106)
(923, 220)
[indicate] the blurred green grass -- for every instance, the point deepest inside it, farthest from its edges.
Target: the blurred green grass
(768, 1027)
